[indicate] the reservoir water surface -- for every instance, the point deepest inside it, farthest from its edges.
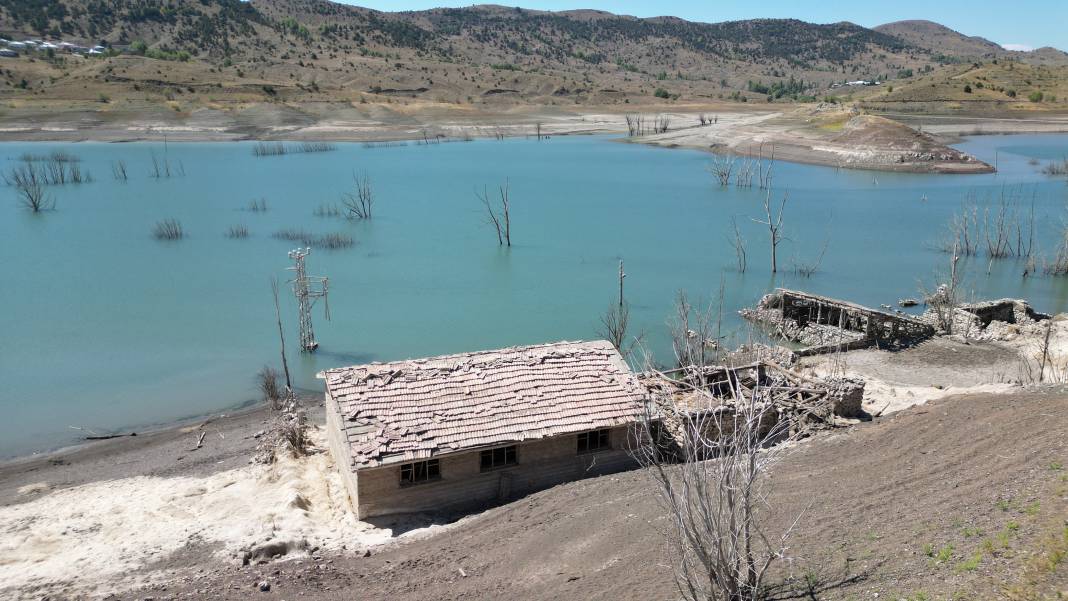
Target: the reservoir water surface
(106, 328)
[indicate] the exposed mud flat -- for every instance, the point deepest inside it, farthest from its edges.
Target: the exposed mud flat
(826, 136)
(822, 135)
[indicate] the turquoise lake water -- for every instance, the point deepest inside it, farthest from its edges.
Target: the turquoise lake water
(106, 328)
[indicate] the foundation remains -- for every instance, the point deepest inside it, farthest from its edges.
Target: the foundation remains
(823, 324)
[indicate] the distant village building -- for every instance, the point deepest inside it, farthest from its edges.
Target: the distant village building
(456, 432)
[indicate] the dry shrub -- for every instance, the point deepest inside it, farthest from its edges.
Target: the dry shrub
(168, 229)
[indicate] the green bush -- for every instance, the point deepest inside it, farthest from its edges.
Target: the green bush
(662, 93)
(1035, 97)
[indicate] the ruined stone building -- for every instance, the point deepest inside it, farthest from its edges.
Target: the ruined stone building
(456, 432)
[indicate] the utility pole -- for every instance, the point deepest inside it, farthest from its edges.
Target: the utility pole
(307, 289)
(621, 276)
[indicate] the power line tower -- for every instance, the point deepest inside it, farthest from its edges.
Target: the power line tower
(307, 289)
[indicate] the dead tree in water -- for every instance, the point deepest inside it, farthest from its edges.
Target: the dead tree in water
(361, 201)
(738, 242)
(744, 177)
(635, 125)
(721, 167)
(118, 170)
(500, 218)
(30, 188)
(774, 223)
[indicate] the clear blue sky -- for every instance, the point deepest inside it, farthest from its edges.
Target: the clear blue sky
(1031, 23)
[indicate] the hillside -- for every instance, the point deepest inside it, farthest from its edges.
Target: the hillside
(301, 48)
(993, 87)
(253, 68)
(942, 40)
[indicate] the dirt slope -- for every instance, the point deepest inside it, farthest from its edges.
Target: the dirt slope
(962, 498)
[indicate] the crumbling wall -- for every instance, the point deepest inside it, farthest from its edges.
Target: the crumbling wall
(822, 322)
(1008, 310)
(846, 396)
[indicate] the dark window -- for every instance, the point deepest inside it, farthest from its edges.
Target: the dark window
(495, 458)
(595, 440)
(419, 472)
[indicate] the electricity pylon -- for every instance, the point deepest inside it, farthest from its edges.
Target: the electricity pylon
(307, 289)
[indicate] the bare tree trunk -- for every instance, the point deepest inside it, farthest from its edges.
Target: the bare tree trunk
(774, 223)
(709, 457)
(738, 242)
(505, 206)
(281, 333)
(1045, 351)
(491, 213)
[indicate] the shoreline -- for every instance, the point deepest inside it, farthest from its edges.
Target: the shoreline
(167, 450)
(827, 135)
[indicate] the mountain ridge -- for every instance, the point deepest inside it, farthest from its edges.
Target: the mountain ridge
(315, 50)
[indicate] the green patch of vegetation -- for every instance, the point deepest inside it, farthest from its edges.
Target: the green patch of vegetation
(1056, 466)
(928, 549)
(944, 554)
(1003, 504)
(662, 93)
(1050, 555)
(140, 48)
(1035, 96)
(1032, 509)
(292, 27)
(970, 531)
(971, 564)
(504, 67)
(791, 88)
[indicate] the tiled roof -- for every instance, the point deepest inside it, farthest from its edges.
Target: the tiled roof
(420, 408)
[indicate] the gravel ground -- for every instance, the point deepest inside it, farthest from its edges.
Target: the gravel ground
(881, 502)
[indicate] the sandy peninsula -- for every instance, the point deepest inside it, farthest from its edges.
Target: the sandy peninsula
(821, 134)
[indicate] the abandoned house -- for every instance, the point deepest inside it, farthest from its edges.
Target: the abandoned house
(459, 431)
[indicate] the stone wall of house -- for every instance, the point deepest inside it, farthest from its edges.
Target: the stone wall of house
(463, 486)
(339, 450)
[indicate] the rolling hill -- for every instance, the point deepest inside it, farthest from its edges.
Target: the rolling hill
(941, 39)
(184, 56)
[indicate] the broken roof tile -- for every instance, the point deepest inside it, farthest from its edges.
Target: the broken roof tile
(427, 407)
